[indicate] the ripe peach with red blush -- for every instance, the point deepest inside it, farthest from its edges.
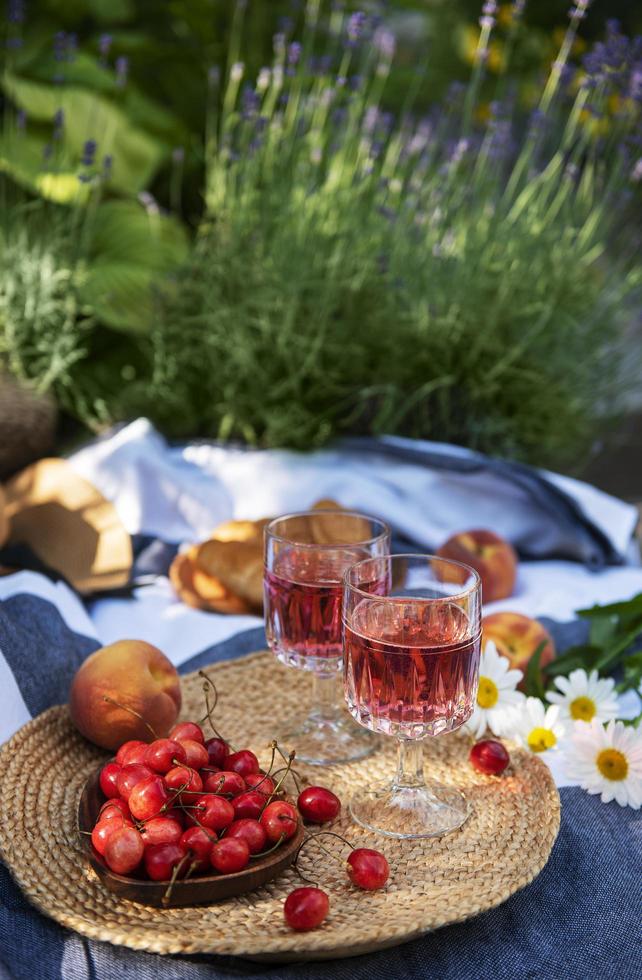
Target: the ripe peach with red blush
(492, 557)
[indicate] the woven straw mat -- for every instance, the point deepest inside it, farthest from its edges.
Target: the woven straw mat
(500, 849)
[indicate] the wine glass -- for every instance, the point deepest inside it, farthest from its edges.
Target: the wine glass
(306, 555)
(411, 669)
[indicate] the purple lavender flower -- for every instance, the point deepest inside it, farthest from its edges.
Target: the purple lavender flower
(104, 44)
(21, 120)
(294, 53)
(578, 10)
(636, 173)
(489, 10)
(518, 8)
(385, 43)
(250, 102)
(60, 46)
(122, 70)
(59, 124)
(47, 152)
(15, 11)
(88, 153)
(108, 166)
(356, 27)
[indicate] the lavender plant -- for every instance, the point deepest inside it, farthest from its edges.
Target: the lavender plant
(430, 276)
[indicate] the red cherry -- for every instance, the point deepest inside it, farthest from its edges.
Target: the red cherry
(199, 843)
(126, 747)
(248, 805)
(124, 850)
(230, 855)
(135, 756)
(163, 754)
(226, 783)
(243, 762)
(109, 779)
(103, 831)
(306, 908)
(187, 780)
(367, 869)
(217, 751)
(195, 752)
(148, 798)
(212, 812)
(489, 757)
(161, 859)
(259, 781)
(250, 831)
(318, 805)
(187, 729)
(279, 821)
(161, 830)
(113, 809)
(129, 776)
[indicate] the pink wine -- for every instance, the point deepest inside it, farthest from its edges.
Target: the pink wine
(303, 595)
(410, 669)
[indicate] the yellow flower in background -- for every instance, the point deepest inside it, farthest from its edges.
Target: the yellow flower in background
(607, 761)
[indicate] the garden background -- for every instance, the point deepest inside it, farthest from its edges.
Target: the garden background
(282, 223)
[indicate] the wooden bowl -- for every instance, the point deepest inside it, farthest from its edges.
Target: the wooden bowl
(201, 890)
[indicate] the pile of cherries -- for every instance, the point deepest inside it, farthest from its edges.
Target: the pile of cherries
(184, 805)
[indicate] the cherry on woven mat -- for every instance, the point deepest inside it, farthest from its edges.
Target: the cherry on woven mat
(187, 730)
(243, 762)
(225, 783)
(318, 805)
(124, 850)
(230, 855)
(306, 908)
(260, 782)
(163, 754)
(109, 779)
(130, 776)
(161, 830)
(148, 798)
(218, 751)
(161, 860)
(367, 869)
(279, 821)
(489, 756)
(248, 804)
(250, 831)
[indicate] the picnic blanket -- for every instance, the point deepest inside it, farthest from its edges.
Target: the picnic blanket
(578, 918)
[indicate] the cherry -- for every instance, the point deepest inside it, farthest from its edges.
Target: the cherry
(212, 812)
(176, 814)
(161, 830)
(199, 843)
(163, 754)
(230, 855)
(243, 762)
(129, 776)
(148, 798)
(250, 831)
(195, 752)
(318, 805)
(135, 756)
(125, 748)
(489, 757)
(187, 730)
(259, 781)
(161, 859)
(306, 908)
(279, 821)
(109, 779)
(124, 850)
(181, 776)
(227, 783)
(367, 869)
(114, 808)
(217, 751)
(103, 831)
(248, 804)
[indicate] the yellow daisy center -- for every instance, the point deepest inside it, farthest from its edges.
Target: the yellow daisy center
(487, 693)
(583, 709)
(541, 739)
(612, 764)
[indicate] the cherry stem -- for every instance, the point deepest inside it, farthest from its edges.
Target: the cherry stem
(124, 707)
(175, 873)
(295, 775)
(277, 788)
(315, 838)
(209, 708)
(262, 854)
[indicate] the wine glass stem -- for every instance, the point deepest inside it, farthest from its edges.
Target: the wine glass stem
(410, 765)
(324, 696)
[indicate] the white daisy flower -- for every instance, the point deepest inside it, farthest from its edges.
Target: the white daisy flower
(607, 761)
(585, 696)
(496, 693)
(537, 727)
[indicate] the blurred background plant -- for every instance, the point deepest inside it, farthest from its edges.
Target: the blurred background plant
(414, 219)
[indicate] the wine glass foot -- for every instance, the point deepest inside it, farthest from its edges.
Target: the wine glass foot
(328, 741)
(411, 811)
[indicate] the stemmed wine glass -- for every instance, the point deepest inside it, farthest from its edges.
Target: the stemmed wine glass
(411, 669)
(306, 555)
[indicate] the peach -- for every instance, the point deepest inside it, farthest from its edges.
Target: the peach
(517, 637)
(492, 557)
(136, 675)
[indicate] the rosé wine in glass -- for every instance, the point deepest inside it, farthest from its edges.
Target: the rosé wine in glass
(306, 556)
(411, 669)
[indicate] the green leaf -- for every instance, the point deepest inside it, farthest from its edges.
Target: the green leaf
(88, 115)
(533, 683)
(112, 11)
(84, 71)
(632, 607)
(21, 158)
(603, 630)
(582, 655)
(612, 654)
